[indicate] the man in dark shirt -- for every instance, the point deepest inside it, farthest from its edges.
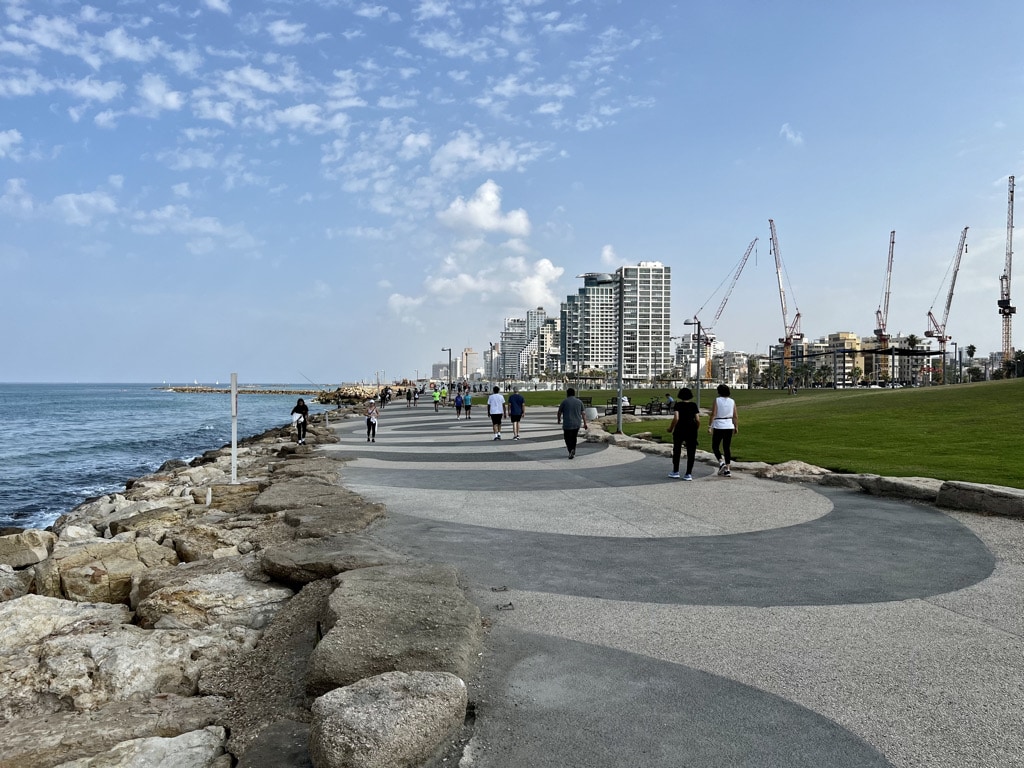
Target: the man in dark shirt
(572, 417)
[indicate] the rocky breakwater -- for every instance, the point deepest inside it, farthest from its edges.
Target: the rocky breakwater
(191, 622)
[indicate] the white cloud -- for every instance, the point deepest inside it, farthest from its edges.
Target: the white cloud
(483, 212)
(81, 209)
(15, 200)
(182, 189)
(285, 33)
(9, 141)
(405, 308)
(414, 144)
(793, 137)
(157, 96)
(534, 286)
(222, 6)
(608, 256)
(466, 154)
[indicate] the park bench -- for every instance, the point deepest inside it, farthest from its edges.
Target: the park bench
(612, 407)
(653, 408)
(587, 401)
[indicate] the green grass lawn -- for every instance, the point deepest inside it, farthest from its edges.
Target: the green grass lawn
(972, 432)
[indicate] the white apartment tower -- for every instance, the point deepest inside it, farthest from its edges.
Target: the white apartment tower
(591, 319)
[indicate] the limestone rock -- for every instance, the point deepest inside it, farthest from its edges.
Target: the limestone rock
(227, 497)
(153, 523)
(918, 488)
(195, 749)
(317, 509)
(792, 471)
(148, 582)
(395, 618)
(979, 497)
(394, 720)
(66, 736)
(227, 599)
(26, 548)
(200, 541)
(101, 572)
(300, 562)
(14, 584)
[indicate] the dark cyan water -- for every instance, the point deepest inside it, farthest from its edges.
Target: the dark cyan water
(63, 443)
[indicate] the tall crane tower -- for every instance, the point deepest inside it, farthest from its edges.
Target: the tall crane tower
(792, 329)
(1006, 310)
(708, 335)
(937, 330)
(882, 313)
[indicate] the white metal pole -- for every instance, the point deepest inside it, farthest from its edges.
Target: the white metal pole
(234, 429)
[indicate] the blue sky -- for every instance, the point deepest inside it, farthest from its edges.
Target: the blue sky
(324, 189)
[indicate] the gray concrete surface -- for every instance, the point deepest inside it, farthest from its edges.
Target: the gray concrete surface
(721, 622)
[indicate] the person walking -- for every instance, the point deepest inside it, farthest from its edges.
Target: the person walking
(459, 400)
(684, 426)
(467, 403)
(300, 415)
(496, 409)
(723, 426)
(372, 414)
(408, 397)
(516, 411)
(437, 400)
(415, 397)
(572, 417)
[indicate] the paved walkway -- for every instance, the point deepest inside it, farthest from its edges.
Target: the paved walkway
(643, 621)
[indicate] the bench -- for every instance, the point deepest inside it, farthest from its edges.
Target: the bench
(612, 407)
(587, 401)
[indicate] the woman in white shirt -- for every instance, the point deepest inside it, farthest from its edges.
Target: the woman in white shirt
(723, 426)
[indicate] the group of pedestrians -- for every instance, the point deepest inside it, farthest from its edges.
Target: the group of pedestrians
(571, 416)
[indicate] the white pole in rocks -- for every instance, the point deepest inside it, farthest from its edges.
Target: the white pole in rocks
(234, 429)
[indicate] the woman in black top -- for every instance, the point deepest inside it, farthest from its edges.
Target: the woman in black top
(685, 422)
(302, 411)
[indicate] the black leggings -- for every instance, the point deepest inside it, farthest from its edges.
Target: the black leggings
(301, 426)
(371, 429)
(678, 441)
(722, 438)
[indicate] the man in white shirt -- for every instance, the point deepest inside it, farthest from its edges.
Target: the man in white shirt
(496, 408)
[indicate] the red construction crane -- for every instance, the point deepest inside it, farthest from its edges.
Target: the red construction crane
(882, 313)
(792, 329)
(1006, 310)
(937, 330)
(708, 329)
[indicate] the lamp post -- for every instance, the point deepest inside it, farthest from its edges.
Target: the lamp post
(449, 351)
(696, 322)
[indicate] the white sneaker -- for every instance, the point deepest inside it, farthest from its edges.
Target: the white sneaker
(674, 475)
(687, 477)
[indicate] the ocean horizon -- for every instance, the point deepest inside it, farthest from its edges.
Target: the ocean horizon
(71, 442)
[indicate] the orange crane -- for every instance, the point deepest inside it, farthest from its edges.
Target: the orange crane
(937, 330)
(1007, 310)
(882, 313)
(792, 329)
(708, 335)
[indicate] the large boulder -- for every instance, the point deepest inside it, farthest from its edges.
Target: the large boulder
(195, 749)
(26, 548)
(395, 618)
(394, 720)
(228, 497)
(316, 508)
(227, 599)
(99, 571)
(14, 584)
(980, 497)
(66, 736)
(305, 560)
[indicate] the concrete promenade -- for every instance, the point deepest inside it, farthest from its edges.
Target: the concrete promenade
(637, 620)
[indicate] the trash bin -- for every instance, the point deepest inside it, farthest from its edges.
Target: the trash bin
(591, 413)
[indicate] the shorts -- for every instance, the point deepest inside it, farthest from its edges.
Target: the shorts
(496, 419)
(515, 417)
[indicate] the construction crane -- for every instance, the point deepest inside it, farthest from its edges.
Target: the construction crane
(882, 313)
(1006, 310)
(708, 335)
(937, 330)
(792, 330)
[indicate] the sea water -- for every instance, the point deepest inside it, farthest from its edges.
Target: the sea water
(65, 443)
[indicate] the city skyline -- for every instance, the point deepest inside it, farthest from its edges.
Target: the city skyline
(323, 190)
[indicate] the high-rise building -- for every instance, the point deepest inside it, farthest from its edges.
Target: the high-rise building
(513, 339)
(590, 322)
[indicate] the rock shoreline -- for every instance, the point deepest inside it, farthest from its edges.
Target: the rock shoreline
(189, 621)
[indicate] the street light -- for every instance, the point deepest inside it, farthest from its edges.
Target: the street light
(696, 322)
(449, 351)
